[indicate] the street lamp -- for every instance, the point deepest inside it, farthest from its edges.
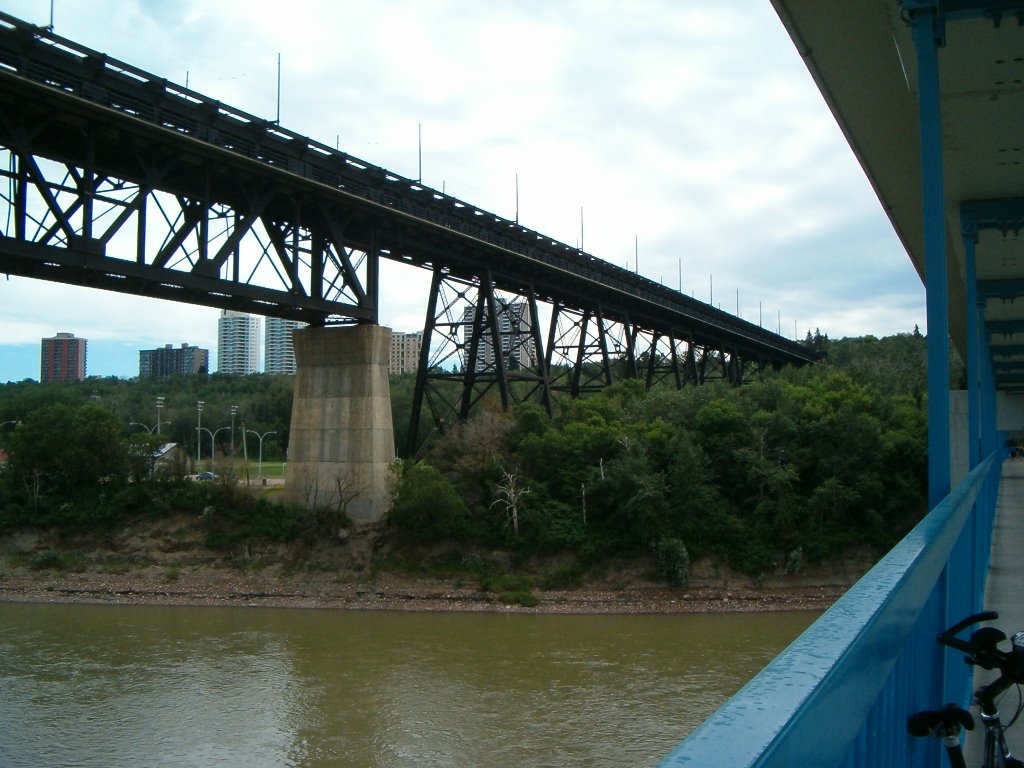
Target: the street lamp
(199, 432)
(159, 408)
(272, 432)
(234, 412)
(140, 424)
(213, 449)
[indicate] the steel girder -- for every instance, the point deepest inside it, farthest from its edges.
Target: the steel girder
(121, 213)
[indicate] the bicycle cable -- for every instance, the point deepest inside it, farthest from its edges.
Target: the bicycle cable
(1020, 707)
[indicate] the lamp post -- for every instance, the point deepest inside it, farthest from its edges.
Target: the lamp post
(199, 433)
(159, 409)
(253, 432)
(140, 424)
(213, 448)
(234, 412)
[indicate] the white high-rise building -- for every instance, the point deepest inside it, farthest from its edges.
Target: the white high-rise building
(405, 351)
(278, 352)
(238, 343)
(517, 343)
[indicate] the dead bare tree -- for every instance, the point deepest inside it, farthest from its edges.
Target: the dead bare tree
(509, 492)
(33, 483)
(311, 490)
(346, 491)
(330, 508)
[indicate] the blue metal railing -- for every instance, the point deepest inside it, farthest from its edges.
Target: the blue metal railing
(841, 693)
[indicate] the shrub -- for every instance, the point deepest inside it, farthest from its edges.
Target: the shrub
(500, 581)
(795, 561)
(232, 513)
(519, 597)
(564, 577)
(427, 506)
(46, 560)
(673, 560)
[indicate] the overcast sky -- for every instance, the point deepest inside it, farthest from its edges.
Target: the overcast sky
(688, 132)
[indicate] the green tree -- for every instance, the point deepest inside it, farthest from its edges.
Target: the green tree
(427, 506)
(64, 447)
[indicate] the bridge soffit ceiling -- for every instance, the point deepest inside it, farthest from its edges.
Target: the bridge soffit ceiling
(862, 57)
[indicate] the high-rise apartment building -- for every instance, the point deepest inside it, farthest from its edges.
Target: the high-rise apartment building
(517, 345)
(238, 343)
(63, 358)
(405, 351)
(170, 361)
(278, 352)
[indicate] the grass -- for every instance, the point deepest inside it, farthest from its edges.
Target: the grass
(502, 582)
(519, 597)
(270, 468)
(122, 564)
(223, 466)
(441, 568)
(52, 560)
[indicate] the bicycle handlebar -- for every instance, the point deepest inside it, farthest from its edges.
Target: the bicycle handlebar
(947, 637)
(982, 649)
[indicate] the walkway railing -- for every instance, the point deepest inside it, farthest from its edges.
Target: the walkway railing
(841, 693)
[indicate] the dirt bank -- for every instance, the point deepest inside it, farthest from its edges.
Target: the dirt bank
(163, 562)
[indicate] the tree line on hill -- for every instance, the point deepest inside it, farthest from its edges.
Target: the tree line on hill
(794, 467)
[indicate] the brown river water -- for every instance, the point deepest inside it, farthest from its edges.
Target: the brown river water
(107, 686)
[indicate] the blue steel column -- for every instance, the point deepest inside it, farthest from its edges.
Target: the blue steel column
(926, 24)
(989, 432)
(969, 233)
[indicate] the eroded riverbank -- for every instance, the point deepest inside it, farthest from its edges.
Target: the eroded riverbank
(225, 587)
(164, 562)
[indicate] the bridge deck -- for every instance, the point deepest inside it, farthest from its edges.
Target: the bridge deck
(1004, 591)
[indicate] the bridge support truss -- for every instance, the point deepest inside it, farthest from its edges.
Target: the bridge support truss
(479, 340)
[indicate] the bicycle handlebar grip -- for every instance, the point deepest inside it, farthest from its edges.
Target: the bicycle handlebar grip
(947, 637)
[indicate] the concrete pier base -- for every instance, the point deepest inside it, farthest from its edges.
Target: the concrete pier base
(341, 441)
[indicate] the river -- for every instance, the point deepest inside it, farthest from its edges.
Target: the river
(108, 686)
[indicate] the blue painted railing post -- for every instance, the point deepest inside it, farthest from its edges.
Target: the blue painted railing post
(973, 310)
(927, 27)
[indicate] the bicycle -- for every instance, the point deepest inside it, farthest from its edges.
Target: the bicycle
(951, 721)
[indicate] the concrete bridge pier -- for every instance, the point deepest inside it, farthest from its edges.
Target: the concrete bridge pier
(341, 441)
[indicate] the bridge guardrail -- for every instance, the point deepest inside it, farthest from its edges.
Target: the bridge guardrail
(841, 693)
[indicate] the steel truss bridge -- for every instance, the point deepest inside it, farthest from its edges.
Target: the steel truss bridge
(115, 178)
